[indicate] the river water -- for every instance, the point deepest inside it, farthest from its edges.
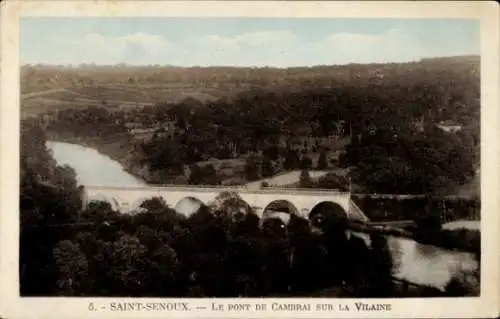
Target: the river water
(417, 263)
(92, 167)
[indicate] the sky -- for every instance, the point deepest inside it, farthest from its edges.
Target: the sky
(274, 42)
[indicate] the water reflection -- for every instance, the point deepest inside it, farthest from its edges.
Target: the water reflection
(463, 224)
(429, 265)
(425, 264)
(188, 206)
(92, 167)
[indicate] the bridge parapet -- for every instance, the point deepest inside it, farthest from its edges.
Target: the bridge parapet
(242, 189)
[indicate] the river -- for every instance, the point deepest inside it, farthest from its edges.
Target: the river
(96, 169)
(415, 262)
(92, 167)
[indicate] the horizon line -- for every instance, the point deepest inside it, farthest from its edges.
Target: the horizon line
(122, 64)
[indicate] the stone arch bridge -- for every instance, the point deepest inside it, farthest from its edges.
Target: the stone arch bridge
(298, 201)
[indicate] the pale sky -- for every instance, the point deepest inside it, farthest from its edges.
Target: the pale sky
(274, 42)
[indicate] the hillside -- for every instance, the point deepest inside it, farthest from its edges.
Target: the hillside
(58, 87)
(404, 128)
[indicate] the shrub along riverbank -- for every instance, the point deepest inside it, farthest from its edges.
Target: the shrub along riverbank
(428, 213)
(467, 240)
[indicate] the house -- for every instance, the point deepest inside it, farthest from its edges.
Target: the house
(449, 127)
(142, 133)
(138, 131)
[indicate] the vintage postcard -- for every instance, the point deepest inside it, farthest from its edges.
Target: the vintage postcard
(249, 159)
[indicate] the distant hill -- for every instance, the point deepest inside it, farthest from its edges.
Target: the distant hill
(45, 87)
(454, 59)
(43, 77)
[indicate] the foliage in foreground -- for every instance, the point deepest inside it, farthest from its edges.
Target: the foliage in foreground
(65, 250)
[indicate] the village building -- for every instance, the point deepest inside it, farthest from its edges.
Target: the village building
(449, 127)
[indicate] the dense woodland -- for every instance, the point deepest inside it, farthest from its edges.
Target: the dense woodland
(389, 120)
(68, 251)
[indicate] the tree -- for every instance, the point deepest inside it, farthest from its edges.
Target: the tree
(343, 160)
(72, 265)
(251, 169)
(333, 181)
(196, 175)
(48, 196)
(291, 159)
(98, 211)
(358, 261)
(380, 278)
(154, 204)
(463, 284)
(230, 203)
(429, 224)
(248, 226)
(322, 160)
(305, 162)
(202, 216)
(267, 167)
(331, 220)
(125, 259)
(271, 152)
(210, 175)
(305, 179)
(160, 271)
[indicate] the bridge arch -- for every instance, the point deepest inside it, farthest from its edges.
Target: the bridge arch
(327, 210)
(281, 209)
(188, 205)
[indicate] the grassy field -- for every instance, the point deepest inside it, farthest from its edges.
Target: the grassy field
(45, 88)
(42, 85)
(107, 96)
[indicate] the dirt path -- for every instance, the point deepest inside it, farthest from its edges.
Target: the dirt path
(40, 93)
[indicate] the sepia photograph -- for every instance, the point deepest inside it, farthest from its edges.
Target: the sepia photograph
(250, 157)
(221, 157)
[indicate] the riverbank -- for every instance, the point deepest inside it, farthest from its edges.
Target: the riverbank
(119, 149)
(460, 239)
(114, 148)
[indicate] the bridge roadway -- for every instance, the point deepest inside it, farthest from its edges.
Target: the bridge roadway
(297, 201)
